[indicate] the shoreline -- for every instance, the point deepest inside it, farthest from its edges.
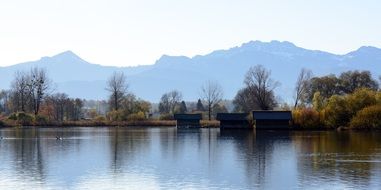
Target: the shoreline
(7, 123)
(143, 123)
(205, 124)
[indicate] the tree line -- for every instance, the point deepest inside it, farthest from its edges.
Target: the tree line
(258, 93)
(31, 98)
(32, 93)
(351, 99)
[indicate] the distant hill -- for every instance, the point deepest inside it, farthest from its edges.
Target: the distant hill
(78, 78)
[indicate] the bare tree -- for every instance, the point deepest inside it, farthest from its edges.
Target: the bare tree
(261, 86)
(59, 104)
(302, 87)
(20, 90)
(117, 86)
(169, 101)
(38, 87)
(244, 101)
(4, 98)
(211, 93)
(76, 110)
(60, 107)
(175, 98)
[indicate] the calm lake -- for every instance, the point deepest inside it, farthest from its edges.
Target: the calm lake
(170, 158)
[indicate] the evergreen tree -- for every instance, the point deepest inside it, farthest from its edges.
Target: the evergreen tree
(183, 107)
(200, 107)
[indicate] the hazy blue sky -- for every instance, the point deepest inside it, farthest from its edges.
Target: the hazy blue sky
(132, 32)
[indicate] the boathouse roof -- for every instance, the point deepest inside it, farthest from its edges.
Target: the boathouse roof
(232, 116)
(272, 115)
(188, 116)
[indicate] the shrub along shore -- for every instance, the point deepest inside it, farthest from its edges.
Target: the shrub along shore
(359, 110)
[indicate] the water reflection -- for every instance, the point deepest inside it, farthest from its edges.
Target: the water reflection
(162, 158)
(352, 157)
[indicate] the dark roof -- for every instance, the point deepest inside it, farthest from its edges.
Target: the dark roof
(232, 116)
(188, 116)
(272, 115)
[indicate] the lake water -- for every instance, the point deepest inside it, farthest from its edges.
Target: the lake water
(170, 158)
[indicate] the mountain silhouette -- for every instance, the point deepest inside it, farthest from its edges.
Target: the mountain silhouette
(79, 78)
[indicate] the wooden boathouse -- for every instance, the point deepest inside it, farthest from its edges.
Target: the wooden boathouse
(188, 120)
(272, 119)
(234, 120)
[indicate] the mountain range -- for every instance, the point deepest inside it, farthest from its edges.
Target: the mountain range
(79, 78)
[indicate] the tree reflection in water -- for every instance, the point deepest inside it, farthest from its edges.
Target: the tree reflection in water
(196, 158)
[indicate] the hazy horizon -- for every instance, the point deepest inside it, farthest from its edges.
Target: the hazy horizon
(130, 33)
